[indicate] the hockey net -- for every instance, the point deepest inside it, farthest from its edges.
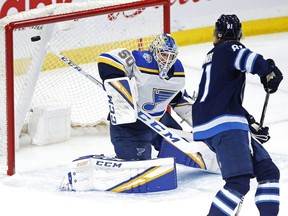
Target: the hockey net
(33, 77)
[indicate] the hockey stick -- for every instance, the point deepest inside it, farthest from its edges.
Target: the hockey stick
(264, 109)
(237, 213)
(184, 134)
(170, 136)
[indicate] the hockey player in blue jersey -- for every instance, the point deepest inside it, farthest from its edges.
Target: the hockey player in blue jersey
(159, 79)
(220, 120)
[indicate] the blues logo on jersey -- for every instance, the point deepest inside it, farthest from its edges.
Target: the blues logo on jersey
(159, 96)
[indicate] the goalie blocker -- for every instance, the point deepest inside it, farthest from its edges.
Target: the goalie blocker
(101, 173)
(122, 98)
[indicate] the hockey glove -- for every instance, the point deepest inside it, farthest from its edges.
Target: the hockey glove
(183, 107)
(185, 113)
(259, 133)
(272, 80)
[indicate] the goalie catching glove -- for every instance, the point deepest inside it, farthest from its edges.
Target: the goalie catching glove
(261, 134)
(183, 107)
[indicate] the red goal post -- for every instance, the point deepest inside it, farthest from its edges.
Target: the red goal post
(32, 77)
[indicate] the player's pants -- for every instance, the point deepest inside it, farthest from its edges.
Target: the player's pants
(133, 141)
(238, 164)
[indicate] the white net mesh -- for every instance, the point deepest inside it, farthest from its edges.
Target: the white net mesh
(42, 79)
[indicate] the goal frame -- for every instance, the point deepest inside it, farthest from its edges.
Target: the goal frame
(9, 28)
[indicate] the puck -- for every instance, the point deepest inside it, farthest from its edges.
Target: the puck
(35, 38)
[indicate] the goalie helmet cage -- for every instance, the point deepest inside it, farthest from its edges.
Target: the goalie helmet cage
(31, 76)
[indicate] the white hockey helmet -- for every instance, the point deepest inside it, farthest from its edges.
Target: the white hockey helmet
(165, 51)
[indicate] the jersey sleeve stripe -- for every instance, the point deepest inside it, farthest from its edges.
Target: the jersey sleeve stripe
(238, 59)
(111, 61)
(179, 74)
(124, 90)
(250, 62)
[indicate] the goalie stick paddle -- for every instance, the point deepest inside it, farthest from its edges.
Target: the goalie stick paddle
(170, 136)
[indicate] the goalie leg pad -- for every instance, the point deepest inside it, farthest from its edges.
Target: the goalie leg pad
(97, 172)
(122, 98)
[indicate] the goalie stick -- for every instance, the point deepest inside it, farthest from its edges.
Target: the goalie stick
(169, 135)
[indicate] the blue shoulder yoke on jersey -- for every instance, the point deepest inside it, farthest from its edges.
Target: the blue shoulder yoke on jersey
(147, 64)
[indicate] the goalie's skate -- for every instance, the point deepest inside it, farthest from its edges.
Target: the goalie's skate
(65, 185)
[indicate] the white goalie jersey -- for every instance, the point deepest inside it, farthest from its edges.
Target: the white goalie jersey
(154, 93)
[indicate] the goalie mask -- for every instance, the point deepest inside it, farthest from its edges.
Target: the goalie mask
(165, 51)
